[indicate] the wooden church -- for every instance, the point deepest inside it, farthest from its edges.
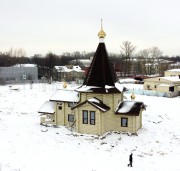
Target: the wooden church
(97, 106)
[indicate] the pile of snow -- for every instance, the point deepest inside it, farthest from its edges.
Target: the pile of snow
(25, 145)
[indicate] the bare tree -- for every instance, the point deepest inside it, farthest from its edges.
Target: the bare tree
(149, 59)
(153, 60)
(17, 52)
(127, 50)
(142, 60)
(155, 52)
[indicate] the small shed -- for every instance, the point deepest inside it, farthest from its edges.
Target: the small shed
(163, 84)
(131, 115)
(172, 72)
(18, 73)
(59, 107)
(47, 111)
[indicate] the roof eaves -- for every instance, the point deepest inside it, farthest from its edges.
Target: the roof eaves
(96, 105)
(47, 113)
(133, 111)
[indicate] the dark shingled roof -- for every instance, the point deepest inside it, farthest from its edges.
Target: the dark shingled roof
(129, 108)
(96, 103)
(101, 72)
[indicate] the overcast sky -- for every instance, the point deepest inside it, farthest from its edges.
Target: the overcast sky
(40, 26)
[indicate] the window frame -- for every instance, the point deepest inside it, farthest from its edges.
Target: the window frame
(71, 104)
(122, 123)
(69, 118)
(92, 120)
(84, 119)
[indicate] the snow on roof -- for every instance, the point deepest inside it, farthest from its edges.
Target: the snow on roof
(65, 95)
(119, 87)
(126, 106)
(165, 85)
(108, 88)
(99, 104)
(169, 78)
(66, 69)
(85, 88)
(82, 60)
(130, 107)
(174, 78)
(47, 107)
(94, 100)
(174, 70)
(61, 68)
(96, 103)
(127, 80)
(25, 65)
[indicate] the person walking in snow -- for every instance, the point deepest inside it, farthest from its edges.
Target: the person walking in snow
(130, 160)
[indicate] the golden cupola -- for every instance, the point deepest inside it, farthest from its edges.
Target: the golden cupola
(101, 33)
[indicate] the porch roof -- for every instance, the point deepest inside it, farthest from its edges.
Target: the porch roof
(47, 108)
(65, 96)
(130, 108)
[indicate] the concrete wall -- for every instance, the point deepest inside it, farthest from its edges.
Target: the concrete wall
(18, 73)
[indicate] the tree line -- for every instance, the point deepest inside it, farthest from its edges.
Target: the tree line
(127, 62)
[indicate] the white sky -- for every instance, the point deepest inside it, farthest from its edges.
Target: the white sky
(40, 26)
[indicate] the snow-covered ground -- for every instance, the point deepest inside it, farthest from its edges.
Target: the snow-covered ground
(25, 145)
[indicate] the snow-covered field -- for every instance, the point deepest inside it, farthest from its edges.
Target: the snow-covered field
(25, 145)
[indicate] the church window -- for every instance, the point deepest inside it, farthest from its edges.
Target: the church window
(85, 117)
(92, 117)
(124, 122)
(59, 105)
(70, 118)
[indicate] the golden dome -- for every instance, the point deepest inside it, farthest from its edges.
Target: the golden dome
(64, 85)
(132, 95)
(101, 33)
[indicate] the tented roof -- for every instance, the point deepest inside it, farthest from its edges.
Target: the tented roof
(100, 74)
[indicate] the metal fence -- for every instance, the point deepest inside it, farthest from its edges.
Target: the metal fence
(154, 93)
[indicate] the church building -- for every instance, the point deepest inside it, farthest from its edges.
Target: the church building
(98, 104)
